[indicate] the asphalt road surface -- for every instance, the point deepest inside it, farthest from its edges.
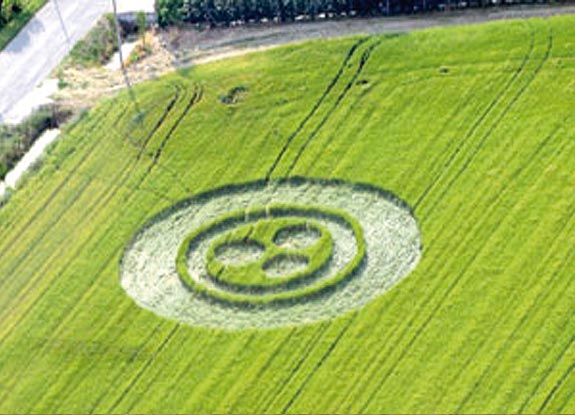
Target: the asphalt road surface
(42, 44)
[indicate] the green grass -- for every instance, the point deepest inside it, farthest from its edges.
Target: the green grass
(16, 140)
(17, 21)
(97, 47)
(473, 127)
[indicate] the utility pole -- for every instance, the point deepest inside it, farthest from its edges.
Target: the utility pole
(121, 57)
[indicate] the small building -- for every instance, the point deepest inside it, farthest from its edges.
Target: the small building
(128, 10)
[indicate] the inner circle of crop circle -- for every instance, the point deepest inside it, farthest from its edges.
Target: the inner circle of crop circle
(327, 267)
(264, 255)
(261, 250)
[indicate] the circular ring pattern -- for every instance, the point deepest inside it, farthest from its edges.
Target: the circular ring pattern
(345, 257)
(282, 261)
(265, 255)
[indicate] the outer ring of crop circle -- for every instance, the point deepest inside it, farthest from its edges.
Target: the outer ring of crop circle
(394, 245)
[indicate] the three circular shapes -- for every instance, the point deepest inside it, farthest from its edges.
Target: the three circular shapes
(265, 255)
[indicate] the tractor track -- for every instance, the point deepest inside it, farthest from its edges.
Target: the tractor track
(47, 343)
(292, 400)
(541, 296)
(60, 216)
(373, 373)
(92, 283)
(133, 358)
(388, 373)
(195, 99)
(161, 120)
(452, 157)
(179, 92)
(145, 367)
(559, 383)
(317, 105)
(116, 188)
(525, 317)
(318, 334)
(548, 399)
(363, 61)
(123, 176)
(155, 157)
(505, 111)
(452, 286)
(319, 363)
(52, 195)
(545, 376)
(264, 368)
(497, 122)
(205, 342)
(105, 265)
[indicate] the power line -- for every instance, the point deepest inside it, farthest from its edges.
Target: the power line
(121, 57)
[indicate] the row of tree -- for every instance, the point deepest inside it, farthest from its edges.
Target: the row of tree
(232, 12)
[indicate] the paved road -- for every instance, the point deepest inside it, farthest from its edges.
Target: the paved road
(42, 44)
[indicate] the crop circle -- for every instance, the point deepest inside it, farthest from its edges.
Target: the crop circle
(285, 264)
(297, 236)
(256, 228)
(262, 255)
(235, 253)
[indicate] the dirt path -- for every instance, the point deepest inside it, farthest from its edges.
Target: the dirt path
(198, 47)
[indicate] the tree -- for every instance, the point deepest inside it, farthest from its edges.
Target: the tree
(141, 23)
(1, 12)
(8, 8)
(169, 12)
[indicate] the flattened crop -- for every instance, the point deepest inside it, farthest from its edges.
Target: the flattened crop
(373, 240)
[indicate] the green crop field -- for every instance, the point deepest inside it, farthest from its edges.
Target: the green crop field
(468, 130)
